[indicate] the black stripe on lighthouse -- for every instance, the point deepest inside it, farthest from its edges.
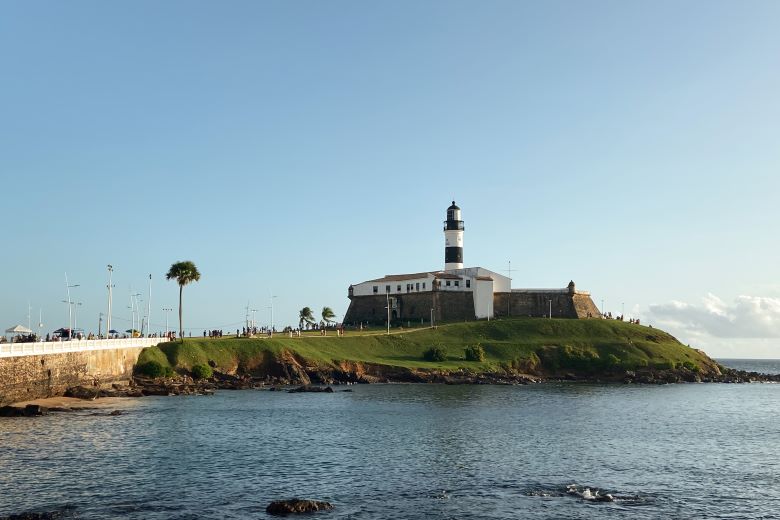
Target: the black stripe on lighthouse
(453, 255)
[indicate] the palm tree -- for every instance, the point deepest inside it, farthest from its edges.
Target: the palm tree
(305, 315)
(184, 273)
(328, 315)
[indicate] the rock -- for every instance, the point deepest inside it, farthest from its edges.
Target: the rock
(11, 411)
(295, 505)
(314, 389)
(31, 410)
(116, 412)
(82, 392)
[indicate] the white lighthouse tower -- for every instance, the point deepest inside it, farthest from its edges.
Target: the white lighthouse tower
(453, 239)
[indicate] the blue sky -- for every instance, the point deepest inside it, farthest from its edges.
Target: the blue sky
(298, 147)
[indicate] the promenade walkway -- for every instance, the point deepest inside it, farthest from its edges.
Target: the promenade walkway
(59, 347)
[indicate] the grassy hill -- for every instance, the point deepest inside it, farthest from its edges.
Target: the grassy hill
(532, 345)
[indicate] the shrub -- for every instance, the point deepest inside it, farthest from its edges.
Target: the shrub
(202, 372)
(475, 353)
(665, 365)
(153, 369)
(435, 354)
(690, 365)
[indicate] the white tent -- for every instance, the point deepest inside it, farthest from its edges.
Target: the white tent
(19, 329)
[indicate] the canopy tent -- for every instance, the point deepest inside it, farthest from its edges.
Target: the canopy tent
(19, 329)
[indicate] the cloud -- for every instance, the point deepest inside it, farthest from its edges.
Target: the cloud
(746, 317)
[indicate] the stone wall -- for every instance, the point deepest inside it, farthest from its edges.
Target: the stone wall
(413, 306)
(537, 304)
(459, 306)
(24, 378)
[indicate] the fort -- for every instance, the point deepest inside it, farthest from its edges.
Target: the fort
(459, 294)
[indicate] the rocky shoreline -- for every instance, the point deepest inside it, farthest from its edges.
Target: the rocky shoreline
(297, 379)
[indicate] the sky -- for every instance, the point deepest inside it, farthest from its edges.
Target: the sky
(290, 148)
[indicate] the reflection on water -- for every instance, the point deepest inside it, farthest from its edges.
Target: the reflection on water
(407, 451)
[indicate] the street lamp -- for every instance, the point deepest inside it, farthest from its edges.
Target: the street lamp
(108, 317)
(550, 302)
(76, 314)
(133, 297)
(69, 302)
(167, 310)
(272, 314)
(149, 307)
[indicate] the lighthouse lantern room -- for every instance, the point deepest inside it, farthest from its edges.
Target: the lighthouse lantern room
(453, 239)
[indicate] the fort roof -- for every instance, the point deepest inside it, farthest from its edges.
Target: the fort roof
(400, 277)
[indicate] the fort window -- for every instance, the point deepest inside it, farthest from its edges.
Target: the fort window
(423, 285)
(376, 289)
(448, 283)
(387, 288)
(468, 283)
(418, 286)
(457, 283)
(399, 288)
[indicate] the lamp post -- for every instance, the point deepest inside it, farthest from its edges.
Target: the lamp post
(272, 313)
(550, 302)
(431, 318)
(387, 299)
(70, 315)
(138, 302)
(76, 314)
(108, 316)
(149, 307)
(132, 312)
(167, 310)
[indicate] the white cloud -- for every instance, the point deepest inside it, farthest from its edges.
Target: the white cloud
(747, 317)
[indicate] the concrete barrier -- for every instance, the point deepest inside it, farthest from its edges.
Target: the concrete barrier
(60, 347)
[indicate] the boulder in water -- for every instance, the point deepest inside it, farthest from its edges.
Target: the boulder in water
(295, 505)
(314, 389)
(31, 410)
(10, 411)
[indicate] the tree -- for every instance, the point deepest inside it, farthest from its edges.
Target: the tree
(184, 273)
(328, 315)
(305, 316)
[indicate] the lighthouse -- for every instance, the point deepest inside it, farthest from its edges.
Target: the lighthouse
(453, 239)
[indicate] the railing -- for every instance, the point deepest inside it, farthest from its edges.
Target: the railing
(59, 347)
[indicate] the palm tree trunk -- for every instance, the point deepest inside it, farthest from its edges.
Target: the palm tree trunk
(181, 327)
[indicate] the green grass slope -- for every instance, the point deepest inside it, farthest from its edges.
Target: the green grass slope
(524, 344)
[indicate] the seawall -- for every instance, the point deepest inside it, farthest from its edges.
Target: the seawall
(28, 377)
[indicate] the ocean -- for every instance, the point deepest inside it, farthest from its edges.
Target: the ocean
(409, 452)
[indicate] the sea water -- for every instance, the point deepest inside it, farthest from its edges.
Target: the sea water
(408, 452)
